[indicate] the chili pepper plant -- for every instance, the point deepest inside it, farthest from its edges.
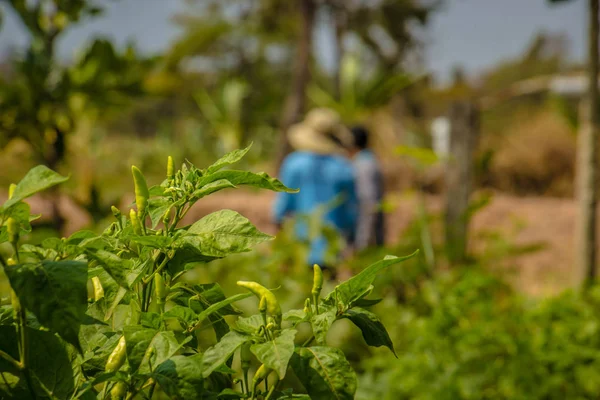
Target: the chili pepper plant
(98, 316)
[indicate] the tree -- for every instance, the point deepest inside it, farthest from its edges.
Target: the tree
(42, 100)
(269, 42)
(587, 155)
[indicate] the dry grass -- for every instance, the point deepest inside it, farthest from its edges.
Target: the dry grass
(536, 157)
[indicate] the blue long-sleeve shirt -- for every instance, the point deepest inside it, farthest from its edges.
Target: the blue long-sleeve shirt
(322, 179)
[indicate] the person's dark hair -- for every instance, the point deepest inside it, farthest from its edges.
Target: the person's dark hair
(361, 136)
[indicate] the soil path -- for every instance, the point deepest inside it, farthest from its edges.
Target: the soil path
(523, 221)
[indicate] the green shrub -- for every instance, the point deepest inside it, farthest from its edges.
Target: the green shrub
(96, 316)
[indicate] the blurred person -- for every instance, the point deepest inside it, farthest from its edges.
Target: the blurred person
(318, 166)
(370, 229)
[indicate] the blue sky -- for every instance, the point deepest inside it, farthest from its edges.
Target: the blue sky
(473, 33)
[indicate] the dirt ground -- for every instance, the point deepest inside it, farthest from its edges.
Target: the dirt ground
(544, 223)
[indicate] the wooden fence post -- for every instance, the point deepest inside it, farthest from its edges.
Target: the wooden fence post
(464, 134)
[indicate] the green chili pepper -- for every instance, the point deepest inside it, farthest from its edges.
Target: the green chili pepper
(262, 305)
(170, 168)
(245, 355)
(11, 190)
(317, 286)
(260, 291)
(117, 357)
(317, 280)
(12, 227)
(116, 212)
(98, 289)
(135, 222)
(118, 391)
(307, 310)
(160, 289)
(261, 373)
(141, 191)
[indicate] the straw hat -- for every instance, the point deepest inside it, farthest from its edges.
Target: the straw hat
(321, 132)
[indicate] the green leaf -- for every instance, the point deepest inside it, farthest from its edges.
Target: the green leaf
(366, 302)
(371, 327)
(230, 394)
(21, 213)
(294, 315)
(97, 348)
(218, 355)
(56, 292)
(180, 377)
(260, 180)
(151, 320)
(154, 241)
(222, 233)
(47, 360)
(322, 322)
(184, 315)
(357, 286)
(325, 373)
(116, 300)
(222, 304)
(250, 324)
(276, 354)
(212, 188)
(36, 180)
(157, 207)
(78, 237)
(228, 159)
(112, 264)
(206, 296)
(138, 342)
(212, 293)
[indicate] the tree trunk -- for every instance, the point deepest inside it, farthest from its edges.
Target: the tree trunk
(588, 158)
(339, 22)
(464, 133)
(296, 101)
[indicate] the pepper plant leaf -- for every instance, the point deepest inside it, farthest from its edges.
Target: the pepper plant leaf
(222, 233)
(357, 286)
(322, 322)
(37, 179)
(276, 353)
(139, 340)
(218, 355)
(55, 292)
(47, 360)
(371, 327)
(259, 180)
(180, 377)
(228, 159)
(114, 265)
(325, 373)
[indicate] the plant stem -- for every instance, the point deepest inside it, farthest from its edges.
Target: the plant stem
(152, 390)
(143, 298)
(246, 387)
(11, 360)
(162, 265)
(308, 341)
(176, 220)
(271, 391)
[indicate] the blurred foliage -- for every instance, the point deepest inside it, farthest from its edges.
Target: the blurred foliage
(459, 334)
(42, 100)
(359, 95)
